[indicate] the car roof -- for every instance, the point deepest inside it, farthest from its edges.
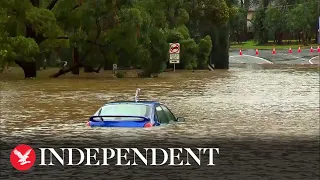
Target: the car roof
(152, 103)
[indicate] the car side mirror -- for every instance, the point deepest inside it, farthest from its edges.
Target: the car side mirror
(180, 119)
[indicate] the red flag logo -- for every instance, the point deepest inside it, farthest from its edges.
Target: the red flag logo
(22, 157)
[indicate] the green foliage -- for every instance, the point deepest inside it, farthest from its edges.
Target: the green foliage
(215, 11)
(158, 49)
(174, 35)
(276, 20)
(183, 17)
(4, 44)
(308, 20)
(189, 49)
(43, 22)
(204, 50)
(238, 12)
(183, 30)
(16, 16)
(129, 33)
(22, 48)
(237, 21)
(291, 16)
(258, 24)
(120, 74)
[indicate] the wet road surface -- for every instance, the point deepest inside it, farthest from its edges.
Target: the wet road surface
(219, 106)
(281, 57)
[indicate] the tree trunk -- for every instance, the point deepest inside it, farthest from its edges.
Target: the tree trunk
(72, 68)
(245, 4)
(4, 68)
(305, 38)
(64, 71)
(107, 64)
(29, 68)
(90, 69)
(35, 3)
(75, 56)
(219, 55)
(264, 30)
(317, 36)
(279, 38)
(238, 37)
(245, 31)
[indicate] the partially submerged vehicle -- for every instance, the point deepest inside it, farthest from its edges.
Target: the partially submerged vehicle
(133, 114)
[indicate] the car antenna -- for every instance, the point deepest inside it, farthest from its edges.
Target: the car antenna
(137, 95)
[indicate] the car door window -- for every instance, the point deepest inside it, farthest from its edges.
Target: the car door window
(168, 113)
(162, 118)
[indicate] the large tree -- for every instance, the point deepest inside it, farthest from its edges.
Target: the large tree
(302, 23)
(276, 17)
(30, 30)
(101, 32)
(210, 17)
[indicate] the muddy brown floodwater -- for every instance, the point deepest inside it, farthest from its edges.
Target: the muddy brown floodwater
(239, 103)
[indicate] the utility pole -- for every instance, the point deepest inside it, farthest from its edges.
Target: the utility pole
(318, 22)
(319, 27)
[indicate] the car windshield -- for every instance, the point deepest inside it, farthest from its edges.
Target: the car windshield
(123, 110)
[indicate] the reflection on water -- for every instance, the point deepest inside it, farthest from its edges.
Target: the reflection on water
(261, 103)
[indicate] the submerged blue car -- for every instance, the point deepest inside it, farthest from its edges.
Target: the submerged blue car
(132, 114)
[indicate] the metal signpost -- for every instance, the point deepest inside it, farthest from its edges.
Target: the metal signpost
(319, 22)
(114, 69)
(319, 28)
(174, 52)
(319, 31)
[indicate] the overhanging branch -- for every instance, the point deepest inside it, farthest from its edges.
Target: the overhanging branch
(75, 7)
(98, 28)
(86, 40)
(74, 66)
(63, 17)
(52, 4)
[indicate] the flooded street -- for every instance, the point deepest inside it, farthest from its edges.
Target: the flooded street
(235, 103)
(241, 103)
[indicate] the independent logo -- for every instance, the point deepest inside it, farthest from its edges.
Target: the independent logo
(22, 157)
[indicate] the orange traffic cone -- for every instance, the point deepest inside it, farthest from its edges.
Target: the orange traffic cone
(240, 52)
(257, 52)
(299, 50)
(273, 51)
(290, 50)
(311, 49)
(318, 49)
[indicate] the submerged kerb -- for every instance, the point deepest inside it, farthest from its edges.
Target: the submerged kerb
(121, 156)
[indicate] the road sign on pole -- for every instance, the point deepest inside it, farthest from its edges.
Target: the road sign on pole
(174, 48)
(115, 67)
(174, 52)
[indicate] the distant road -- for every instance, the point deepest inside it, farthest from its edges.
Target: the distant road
(281, 57)
(248, 59)
(315, 60)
